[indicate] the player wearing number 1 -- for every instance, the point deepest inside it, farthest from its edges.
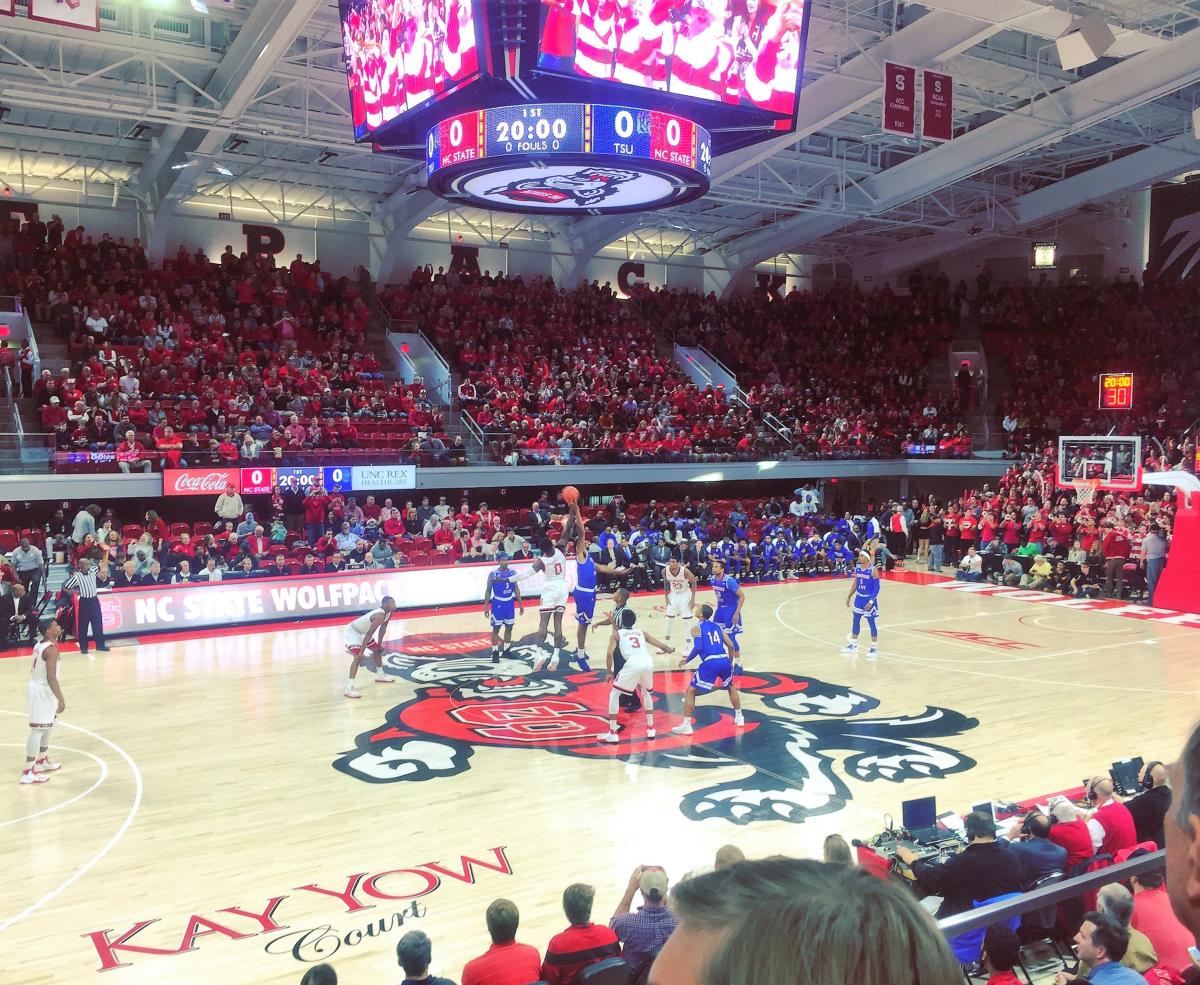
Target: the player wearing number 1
(358, 636)
(636, 675)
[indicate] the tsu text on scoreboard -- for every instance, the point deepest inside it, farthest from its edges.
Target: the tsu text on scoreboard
(260, 481)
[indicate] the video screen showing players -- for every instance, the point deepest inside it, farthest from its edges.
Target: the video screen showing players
(738, 52)
(402, 53)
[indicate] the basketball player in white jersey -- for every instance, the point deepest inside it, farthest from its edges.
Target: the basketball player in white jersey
(358, 640)
(554, 594)
(636, 675)
(680, 586)
(46, 703)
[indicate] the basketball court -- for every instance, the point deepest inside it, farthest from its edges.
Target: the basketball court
(224, 814)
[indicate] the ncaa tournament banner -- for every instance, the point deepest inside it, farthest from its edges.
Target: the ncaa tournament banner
(937, 107)
(899, 98)
(164, 608)
(72, 13)
(1175, 230)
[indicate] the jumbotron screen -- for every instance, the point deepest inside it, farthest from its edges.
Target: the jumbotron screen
(402, 53)
(737, 52)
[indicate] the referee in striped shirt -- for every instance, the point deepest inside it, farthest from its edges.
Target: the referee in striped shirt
(85, 583)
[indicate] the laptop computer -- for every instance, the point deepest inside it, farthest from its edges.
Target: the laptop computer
(919, 818)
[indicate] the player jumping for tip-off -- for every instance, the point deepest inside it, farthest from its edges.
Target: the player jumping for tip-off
(863, 600)
(585, 584)
(554, 594)
(359, 644)
(636, 675)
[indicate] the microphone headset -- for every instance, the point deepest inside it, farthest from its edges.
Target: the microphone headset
(1147, 779)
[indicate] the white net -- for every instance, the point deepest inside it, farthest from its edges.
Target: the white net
(1085, 490)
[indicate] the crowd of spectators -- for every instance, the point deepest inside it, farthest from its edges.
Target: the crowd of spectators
(1056, 340)
(213, 362)
(568, 376)
(843, 369)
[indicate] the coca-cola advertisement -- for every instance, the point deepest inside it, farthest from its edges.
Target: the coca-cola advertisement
(198, 482)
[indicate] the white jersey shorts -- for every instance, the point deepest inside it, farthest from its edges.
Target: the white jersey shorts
(679, 604)
(637, 674)
(554, 596)
(43, 705)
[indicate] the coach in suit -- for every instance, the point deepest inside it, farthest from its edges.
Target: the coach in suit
(17, 611)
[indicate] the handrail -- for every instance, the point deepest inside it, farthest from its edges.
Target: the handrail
(985, 916)
(473, 427)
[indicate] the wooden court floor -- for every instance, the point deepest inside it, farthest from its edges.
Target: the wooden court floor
(224, 814)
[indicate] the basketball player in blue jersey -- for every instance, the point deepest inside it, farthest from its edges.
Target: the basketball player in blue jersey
(585, 585)
(716, 671)
(500, 598)
(730, 599)
(863, 600)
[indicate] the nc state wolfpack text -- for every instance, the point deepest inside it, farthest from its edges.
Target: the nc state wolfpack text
(360, 891)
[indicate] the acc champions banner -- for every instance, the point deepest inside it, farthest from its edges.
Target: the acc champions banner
(1175, 230)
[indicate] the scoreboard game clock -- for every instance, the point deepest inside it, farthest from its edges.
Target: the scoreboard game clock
(1116, 391)
(568, 157)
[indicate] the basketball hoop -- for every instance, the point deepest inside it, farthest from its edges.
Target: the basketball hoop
(1085, 490)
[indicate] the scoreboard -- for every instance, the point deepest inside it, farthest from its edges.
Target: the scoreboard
(563, 157)
(1116, 391)
(260, 480)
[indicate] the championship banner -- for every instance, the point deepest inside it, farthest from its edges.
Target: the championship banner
(240, 602)
(72, 13)
(1175, 230)
(899, 99)
(937, 108)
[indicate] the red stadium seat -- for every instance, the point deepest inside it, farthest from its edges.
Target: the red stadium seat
(8, 540)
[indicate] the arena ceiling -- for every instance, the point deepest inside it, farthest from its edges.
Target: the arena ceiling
(246, 108)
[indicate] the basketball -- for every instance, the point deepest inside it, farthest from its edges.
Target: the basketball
(570, 494)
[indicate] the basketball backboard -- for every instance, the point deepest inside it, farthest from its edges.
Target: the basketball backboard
(1112, 462)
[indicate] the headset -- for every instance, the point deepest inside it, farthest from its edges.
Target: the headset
(1147, 779)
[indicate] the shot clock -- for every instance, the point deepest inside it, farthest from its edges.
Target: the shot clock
(568, 157)
(1116, 391)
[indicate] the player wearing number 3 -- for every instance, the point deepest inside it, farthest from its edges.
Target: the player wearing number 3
(637, 674)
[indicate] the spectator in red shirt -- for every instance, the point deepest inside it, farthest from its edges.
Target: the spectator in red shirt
(506, 962)
(131, 456)
(1117, 548)
(1071, 832)
(1152, 915)
(314, 513)
(582, 943)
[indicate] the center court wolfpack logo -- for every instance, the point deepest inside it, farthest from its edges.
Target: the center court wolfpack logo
(587, 186)
(464, 701)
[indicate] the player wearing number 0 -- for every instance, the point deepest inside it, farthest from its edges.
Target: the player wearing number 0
(730, 599)
(636, 676)
(500, 599)
(680, 586)
(864, 594)
(716, 670)
(46, 703)
(554, 593)
(358, 636)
